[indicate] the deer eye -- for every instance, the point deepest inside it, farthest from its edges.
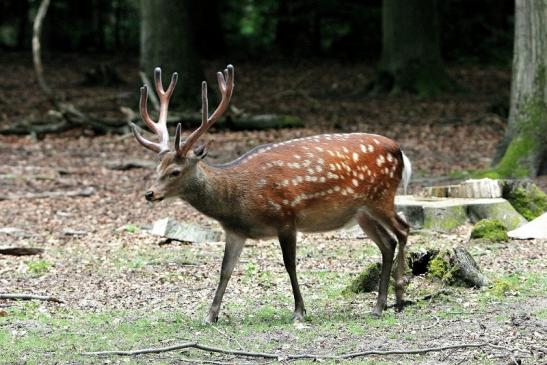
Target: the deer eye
(175, 173)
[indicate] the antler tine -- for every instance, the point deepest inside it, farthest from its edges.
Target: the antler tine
(146, 143)
(204, 103)
(226, 86)
(172, 84)
(160, 128)
(158, 81)
(144, 109)
(177, 138)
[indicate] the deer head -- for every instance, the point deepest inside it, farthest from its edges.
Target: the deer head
(177, 168)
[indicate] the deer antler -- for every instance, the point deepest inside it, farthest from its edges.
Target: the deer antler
(226, 86)
(160, 128)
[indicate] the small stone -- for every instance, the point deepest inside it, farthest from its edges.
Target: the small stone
(185, 232)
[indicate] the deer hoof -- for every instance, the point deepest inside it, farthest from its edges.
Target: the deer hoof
(376, 313)
(211, 318)
(298, 316)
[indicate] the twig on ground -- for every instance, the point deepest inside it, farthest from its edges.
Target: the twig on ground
(203, 361)
(130, 164)
(51, 194)
(437, 320)
(15, 296)
(266, 355)
(511, 352)
(227, 336)
(21, 251)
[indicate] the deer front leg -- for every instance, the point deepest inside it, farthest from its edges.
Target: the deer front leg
(287, 239)
(232, 251)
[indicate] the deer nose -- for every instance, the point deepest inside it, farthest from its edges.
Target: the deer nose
(149, 195)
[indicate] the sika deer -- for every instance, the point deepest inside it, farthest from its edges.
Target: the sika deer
(310, 184)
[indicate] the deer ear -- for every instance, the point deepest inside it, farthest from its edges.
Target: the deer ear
(201, 151)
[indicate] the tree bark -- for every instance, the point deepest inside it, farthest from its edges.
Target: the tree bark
(523, 150)
(411, 56)
(166, 42)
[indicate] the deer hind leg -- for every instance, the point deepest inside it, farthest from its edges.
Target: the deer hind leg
(393, 225)
(386, 243)
(287, 240)
(232, 251)
(402, 235)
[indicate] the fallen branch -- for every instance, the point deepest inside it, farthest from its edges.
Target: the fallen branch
(266, 355)
(12, 296)
(21, 251)
(123, 165)
(51, 194)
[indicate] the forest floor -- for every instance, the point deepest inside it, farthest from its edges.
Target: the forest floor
(121, 289)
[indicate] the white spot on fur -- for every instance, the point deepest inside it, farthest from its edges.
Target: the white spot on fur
(380, 160)
(363, 148)
(370, 148)
(355, 156)
(355, 182)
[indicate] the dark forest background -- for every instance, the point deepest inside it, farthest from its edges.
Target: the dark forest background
(470, 31)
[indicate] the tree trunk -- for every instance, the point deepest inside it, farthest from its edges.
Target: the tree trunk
(411, 56)
(166, 42)
(207, 28)
(523, 150)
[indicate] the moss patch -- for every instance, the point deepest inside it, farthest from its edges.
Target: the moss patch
(367, 281)
(491, 230)
(526, 148)
(456, 267)
(440, 268)
(530, 202)
(444, 219)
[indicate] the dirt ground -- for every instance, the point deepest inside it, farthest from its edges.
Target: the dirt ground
(121, 289)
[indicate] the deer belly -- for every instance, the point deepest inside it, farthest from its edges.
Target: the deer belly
(319, 220)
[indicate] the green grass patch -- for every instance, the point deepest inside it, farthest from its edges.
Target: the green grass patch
(131, 228)
(38, 267)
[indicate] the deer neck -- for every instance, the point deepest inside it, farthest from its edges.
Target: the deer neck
(210, 190)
